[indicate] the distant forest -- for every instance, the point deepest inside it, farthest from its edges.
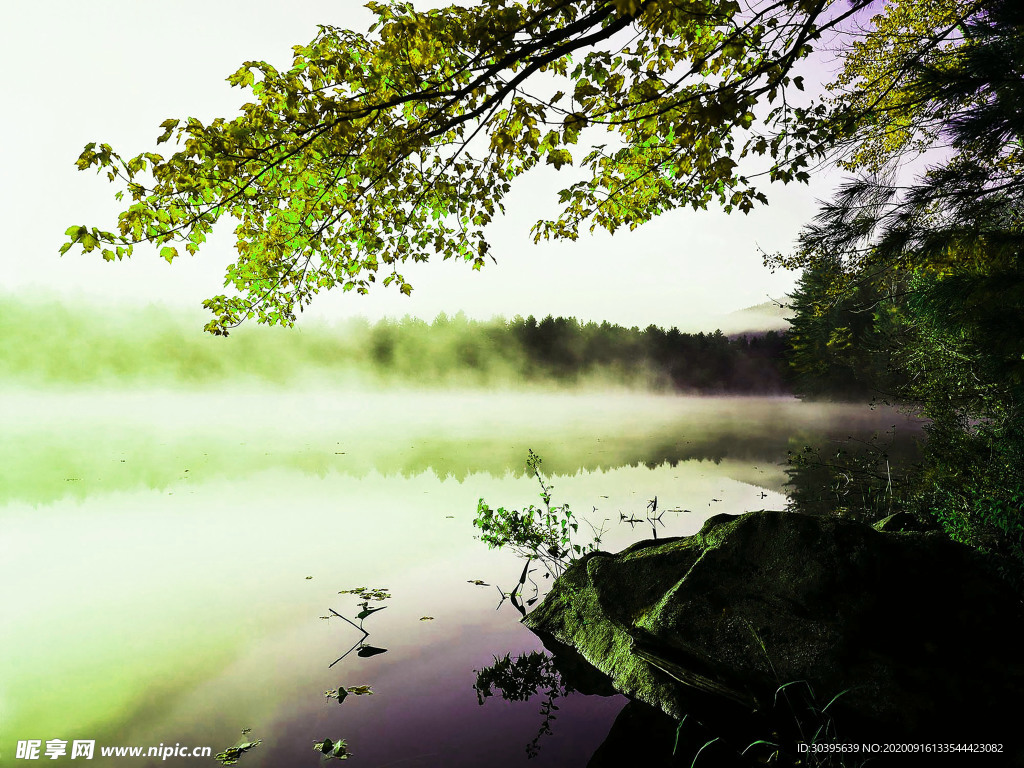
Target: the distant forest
(50, 343)
(565, 348)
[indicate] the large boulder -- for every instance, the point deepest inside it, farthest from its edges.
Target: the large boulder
(914, 630)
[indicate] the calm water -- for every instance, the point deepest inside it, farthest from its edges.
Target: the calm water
(166, 558)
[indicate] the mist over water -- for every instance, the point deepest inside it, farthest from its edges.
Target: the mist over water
(74, 445)
(179, 513)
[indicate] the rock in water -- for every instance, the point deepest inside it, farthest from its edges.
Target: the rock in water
(922, 637)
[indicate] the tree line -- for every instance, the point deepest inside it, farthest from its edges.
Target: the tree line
(51, 343)
(567, 350)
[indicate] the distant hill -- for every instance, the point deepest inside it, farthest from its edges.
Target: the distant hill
(769, 316)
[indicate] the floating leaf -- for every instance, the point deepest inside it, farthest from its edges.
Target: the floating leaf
(231, 755)
(426, 618)
(360, 690)
(367, 593)
(341, 694)
(478, 582)
(337, 750)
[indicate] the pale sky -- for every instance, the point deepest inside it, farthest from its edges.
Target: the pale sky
(113, 70)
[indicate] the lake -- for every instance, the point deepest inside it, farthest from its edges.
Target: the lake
(172, 560)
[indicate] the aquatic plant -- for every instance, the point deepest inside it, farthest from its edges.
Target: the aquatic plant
(861, 479)
(335, 749)
(368, 594)
(797, 720)
(801, 731)
(544, 534)
(231, 755)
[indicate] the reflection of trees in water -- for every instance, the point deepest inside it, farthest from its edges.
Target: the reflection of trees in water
(859, 476)
(521, 679)
(715, 732)
(577, 435)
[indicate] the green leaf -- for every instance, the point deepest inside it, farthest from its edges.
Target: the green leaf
(335, 749)
(558, 158)
(231, 755)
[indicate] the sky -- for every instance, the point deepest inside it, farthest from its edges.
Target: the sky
(113, 70)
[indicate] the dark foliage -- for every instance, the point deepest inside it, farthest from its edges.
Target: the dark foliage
(919, 290)
(707, 362)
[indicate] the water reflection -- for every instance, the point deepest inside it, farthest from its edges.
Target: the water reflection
(715, 732)
(172, 554)
(857, 476)
(360, 646)
(73, 445)
(522, 679)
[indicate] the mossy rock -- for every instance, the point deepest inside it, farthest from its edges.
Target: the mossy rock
(913, 627)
